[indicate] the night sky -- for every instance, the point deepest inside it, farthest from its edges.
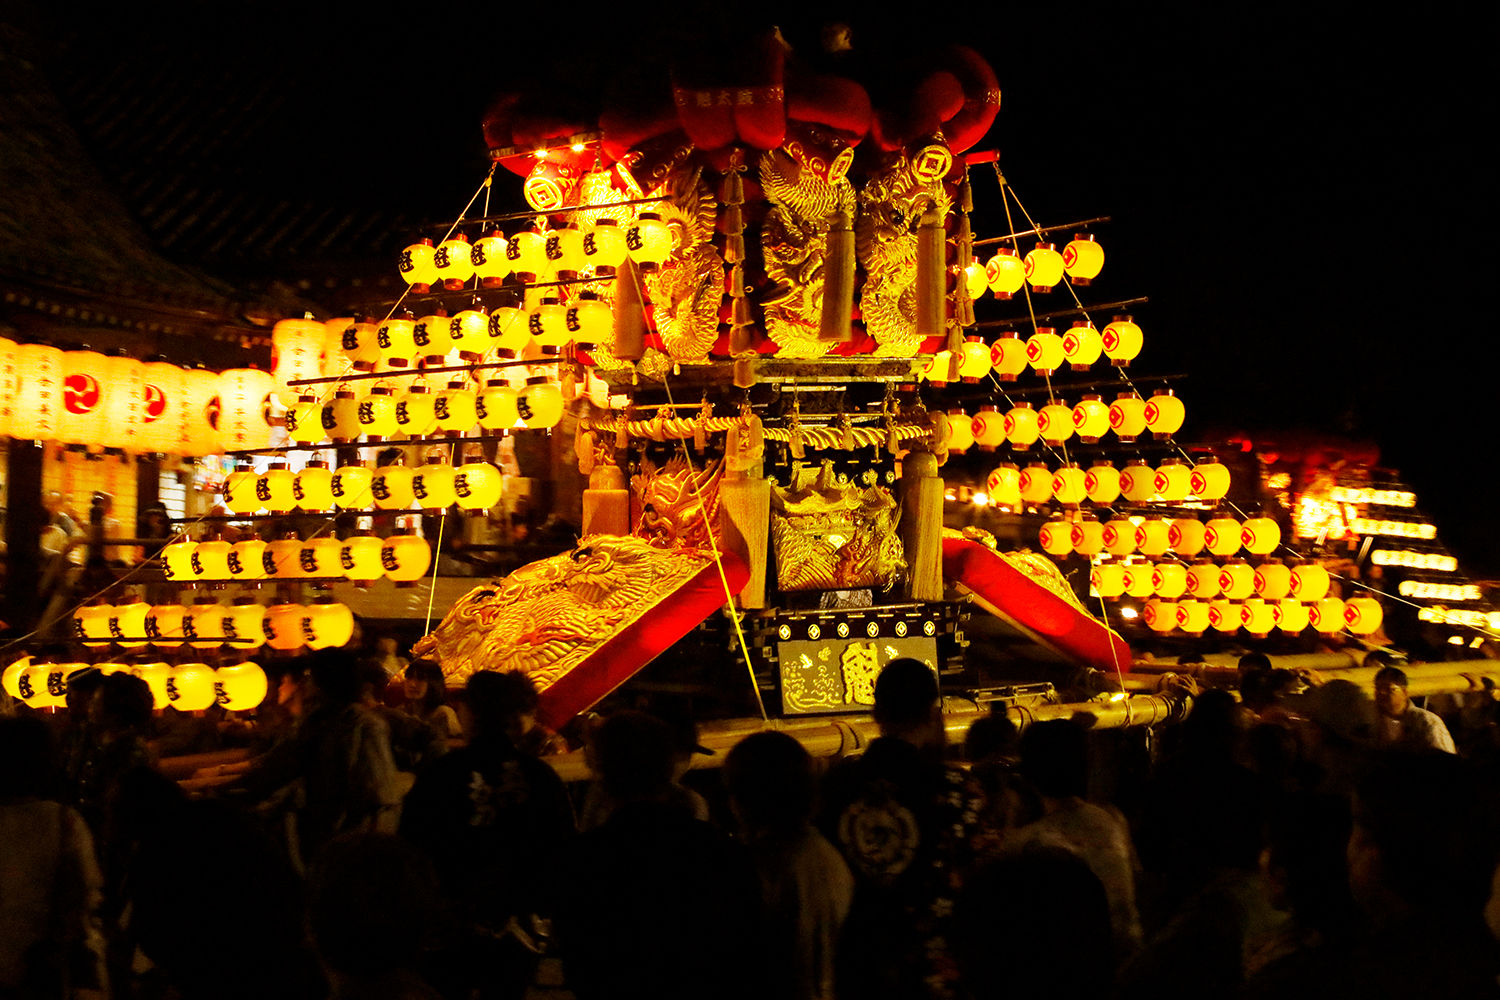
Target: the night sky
(1300, 192)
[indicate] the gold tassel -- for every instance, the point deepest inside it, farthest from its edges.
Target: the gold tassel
(744, 372)
(838, 281)
(932, 278)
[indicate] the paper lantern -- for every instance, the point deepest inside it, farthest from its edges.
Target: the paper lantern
(1260, 535)
(198, 429)
(527, 253)
(239, 490)
(1083, 259)
(1192, 616)
(1102, 482)
(416, 412)
(1108, 580)
(976, 282)
(1068, 485)
(1082, 345)
(1292, 617)
(242, 624)
(359, 556)
(125, 404)
(161, 406)
(960, 431)
(1310, 582)
(1164, 414)
(246, 560)
(1210, 480)
(39, 392)
(297, 347)
(1127, 416)
(1008, 356)
(312, 488)
(358, 343)
(1362, 615)
(210, 559)
(177, 560)
(319, 557)
(1005, 273)
(564, 249)
(350, 485)
(1203, 580)
(1236, 580)
(83, 416)
(1151, 537)
(1138, 579)
(1172, 480)
(431, 337)
(1257, 617)
(477, 485)
(155, 675)
(489, 259)
(1221, 536)
(469, 330)
(1056, 537)
(9, 384)
(1273, 581)
(974, 359)
(1122, 341)
(648, 240)
(1036, 483)
(509, 331)
(1088, 536)
(1004, 485)
(304, 420)
(591, 322)
(91, 625)
(1138, 481)
(1326, 615)
(1044, 267)
(1090, 419)
(1021, 426)
(1223, 616)
(10, 678)
(282, 558)
(432, 485)
(283, 627)
(1169, 580)
(417, 267)
(540, 404)
(275, 489)
(938, 369)
(341, 417)
(390, 487)
(1186, 536)
(1119, 536)
(455, 409)
(548, 324)
(604, 246)
(496, 406)
(397, 340)
(127, 624)
(241, 687)
(244, 395)
(326, 625)
(405, 557)
(1160, 616)
(33, 687)
(987, 428)
(452, 262)
(200, 626)
(164, 624)
(1044, 351)
(1055, 422)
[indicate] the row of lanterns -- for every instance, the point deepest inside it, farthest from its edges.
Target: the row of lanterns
(1233, 581)
(1186, 536)
(1173, 481)
(419, 412)
(1128, 417)
(1044, 266)
(206, 624)
(1044, 352)
(432, 486)
(187, 687)
(402, 558)
(1360, 615)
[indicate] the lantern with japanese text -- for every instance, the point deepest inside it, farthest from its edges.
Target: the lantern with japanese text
(281, 558)
(164, 625)
(84, 414)
(327, 625)
(604, 246)
(477, 485)
(312, 488)
(649, 241)
(397, 340)
(1004, 485)
(10, 677)
(527, 253)
(1044, 351)
(161, 399)
(240, 687)
(1044, 267)
(297, 353)
(455, 409)
(453, 262)
(246, 560)
(540, 404)
(432, 484)
(198, 426)
(127, 624)
(591, 322)
(1068, 486)
(275, 489)
(390, 486)
(125, 404)
(405, 557)
(1108, 579)
(359, 556)
(1083, 259)
(341, 417)
(1203, 580)
(496, 406)
(1082, 345)
(239, 490)
(1008, 356)
(177, 560)
(241, 624)
(488, 256)
(350, 485)
(431, 337)
(1056, 537)
(1186, 536)
(358, 344)
(283, 626)
(1310, 582)
(416, 413)
(1088, 536)
(304, 420)
(376, 414)
(416, 266)
(564, 249)
(1102, 482)
(1326, 615)
(39, 389)
(211, 558)
(1055, 422)
(1036, 483)
(1209, 480)
(1122, 340)
(1119, 536)
(243, 408)
(1164, 414)
(200, 626)
(1138, 481)
(469, 330)
(91, 625)
(1221, 535)
(1260, 535)
(1127, 416)
(320, 557)
(1005, 273)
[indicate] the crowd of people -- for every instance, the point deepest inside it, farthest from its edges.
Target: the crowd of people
(1295, 840)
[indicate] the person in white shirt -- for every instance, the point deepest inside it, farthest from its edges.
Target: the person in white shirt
(1402, 723)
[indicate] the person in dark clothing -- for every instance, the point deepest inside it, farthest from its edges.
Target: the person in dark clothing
(496, 823)
(657, 904)
(907, 824)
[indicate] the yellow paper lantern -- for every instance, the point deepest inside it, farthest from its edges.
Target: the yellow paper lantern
(1090, 419)
(242, 624)
(39, 392)
(83, 416)
(1044, 267)
(350, 485)
(10, 678)
(320, 557)
(327, 625)
(1083, 259)
(245, 560)
(127, 624)
(591, 322)
(1236, 580)
(244, 411)
(239, 491)
(397, 340)
(359, 556)
(1172, 480)
(604, 246)
(960, 431)
(155, 675)
(376, 414)
(391, 487)
(1223, 616)
(1151, 537)
(1008, 356)
(341, 417)
(304, 420)
(1138, 577)
(477, 485)
(177, 560)
(1310, 582)
(649, 240)
(200, 626)
(1056, 537)
(432, 337)
(312, 488)
(432, 485)
(1221, 536)
(1164, 414)
(416, 412)
(1292, 617)
(974, 359)
(1260, 535)
(1192, 616)
(417, 266)
(1108, 580)
(1203, 580)
(1055, 422)
(1210, 480)
(1326, 615)
(405, 558)
(164, 624)
(1119, 536)
(540, 404)
(91, 625)
(1004, 485)
(1273, 581)
(1169, 580)
(1036, 483)
(9, 383)
(1257, 617)
(548, 324)
(564, 249)
(527, 253)
(1088, 536)
(44, 685)
(1138, 481)
(1159, 615)
(1102, 482)
(241, 687)
(987, 428)
(197, 430)
(496, 406)
(453, 262)
(1068, 485)
(1122, 341)
(1082, 345)
(1044, 351)
(1005, 273)
(976, 282)
(282, 558)
(488, 256)
(1186, 536)
(358, 345)
(125, 404)
(211, 559)
(1127, 416)
(1362, 615)
(455, 408)
(469, 330)
(283, 627)
(276, 488)
(1021, 426)
(297, 347)
(161, 406)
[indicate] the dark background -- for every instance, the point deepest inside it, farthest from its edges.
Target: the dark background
(1300, 191)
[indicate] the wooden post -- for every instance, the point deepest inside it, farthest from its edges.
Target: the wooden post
(922, 525)
(838, 281)
(606, 503)
(745, 508)
(932, 277)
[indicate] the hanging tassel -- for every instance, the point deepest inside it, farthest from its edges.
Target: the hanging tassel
(838, 281)
(630, 314)
(931, 275)
(744, 372)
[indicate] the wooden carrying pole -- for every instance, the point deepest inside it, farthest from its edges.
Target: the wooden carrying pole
(922, 525)
(745, 510)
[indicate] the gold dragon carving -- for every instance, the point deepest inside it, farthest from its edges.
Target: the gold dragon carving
(886, 247)
(688, 292)
(834, 536)
(673, 499)
(794, 247)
